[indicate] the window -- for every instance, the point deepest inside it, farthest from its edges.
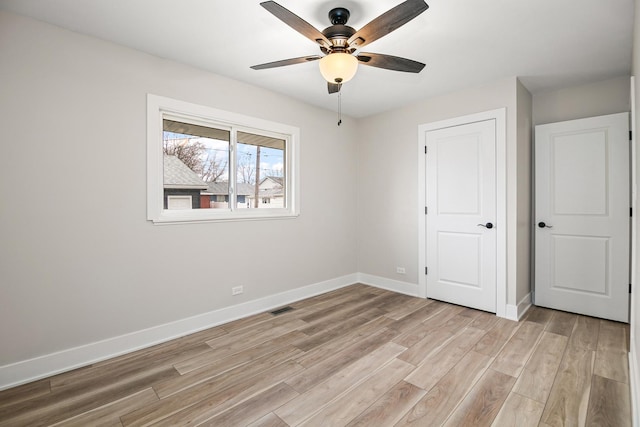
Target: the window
(206, 164)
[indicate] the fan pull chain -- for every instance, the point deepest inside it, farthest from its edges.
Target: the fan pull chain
(339, 107)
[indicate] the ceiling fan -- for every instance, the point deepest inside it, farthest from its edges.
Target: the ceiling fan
(339, 43)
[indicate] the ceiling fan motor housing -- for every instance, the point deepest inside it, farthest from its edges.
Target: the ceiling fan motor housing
(339, 16)
(339, 32)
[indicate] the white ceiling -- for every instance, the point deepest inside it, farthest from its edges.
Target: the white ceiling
(547, 43)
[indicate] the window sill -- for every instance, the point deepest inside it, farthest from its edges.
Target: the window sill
(205, 215)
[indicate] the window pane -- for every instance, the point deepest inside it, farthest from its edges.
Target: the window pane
(260, 172)
(196, 166)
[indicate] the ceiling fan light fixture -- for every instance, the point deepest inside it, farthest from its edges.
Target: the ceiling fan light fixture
(338, 67)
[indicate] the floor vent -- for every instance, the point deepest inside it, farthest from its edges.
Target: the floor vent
(281, 310)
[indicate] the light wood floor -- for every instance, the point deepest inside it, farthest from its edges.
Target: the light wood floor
(359, 356)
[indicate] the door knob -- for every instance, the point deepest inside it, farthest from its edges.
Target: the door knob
(543, 225)
(487, 225)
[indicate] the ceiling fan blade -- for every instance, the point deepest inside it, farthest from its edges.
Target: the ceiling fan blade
(388, 22)
(390, 62)
(333, 87)
(297, 23)
(282, 63)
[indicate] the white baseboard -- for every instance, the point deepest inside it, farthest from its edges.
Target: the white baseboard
(50, 364)
(406, 288)
(634, 379)
(515, 312)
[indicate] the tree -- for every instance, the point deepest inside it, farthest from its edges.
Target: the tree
(189, 152)
(195, 155)
(246, 168)
(213, 168)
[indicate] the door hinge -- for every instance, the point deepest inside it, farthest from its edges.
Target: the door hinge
(630, 135)
(425, 149)
(425, 270)
(629, 287)
(425, 210)
(630, 211)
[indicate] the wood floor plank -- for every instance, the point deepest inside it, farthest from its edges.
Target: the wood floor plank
(411, 306)
(567, 402)
(345, 408)
(609, 403)
(303, 406)
(55, 407)
(612, 364)
(246, 322)
(442, 314)
(229, 345)
(253, 409)
(330, 315)
(269, 420)
(536, 379)
(423, 348)
(331, 298)
(516, 352)
(519, 411)
(438, 363)
(395, 306)
(110, 413)
(585, 333)
(413, 318)
(322, 332)
(434, 408)
(612, 336)
(174, 385)
(484, 321)
(391, 407)
(24, 392)
(82, 379)
(318, 372)
(493, 341)
(561, 323)
(165, 351)
(539, 315)
(209, 398)
(330, 348)
(482, 404)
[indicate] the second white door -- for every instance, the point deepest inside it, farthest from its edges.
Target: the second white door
(461, 214)
(582, 216)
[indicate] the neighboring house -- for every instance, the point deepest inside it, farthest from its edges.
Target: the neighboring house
(270, 194)
(182, 186)
(218, 194)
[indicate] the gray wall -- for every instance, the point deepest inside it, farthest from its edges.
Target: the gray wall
(522, 261)
(78, 270)
(388, 187)
(577, 102)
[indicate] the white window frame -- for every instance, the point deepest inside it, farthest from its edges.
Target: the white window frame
(159, 107)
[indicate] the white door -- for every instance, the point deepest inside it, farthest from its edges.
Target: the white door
(461, 214)
(582, 216)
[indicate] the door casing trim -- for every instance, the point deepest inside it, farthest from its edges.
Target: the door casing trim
(499, 115)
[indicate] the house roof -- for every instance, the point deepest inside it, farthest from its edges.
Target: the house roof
(222, 188)
(278, 179)
(272, 192)
(177, 175)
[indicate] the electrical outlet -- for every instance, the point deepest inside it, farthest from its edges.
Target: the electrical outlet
(400, 270)
(237, 290)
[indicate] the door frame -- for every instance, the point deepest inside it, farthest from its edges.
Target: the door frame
(499, 115)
